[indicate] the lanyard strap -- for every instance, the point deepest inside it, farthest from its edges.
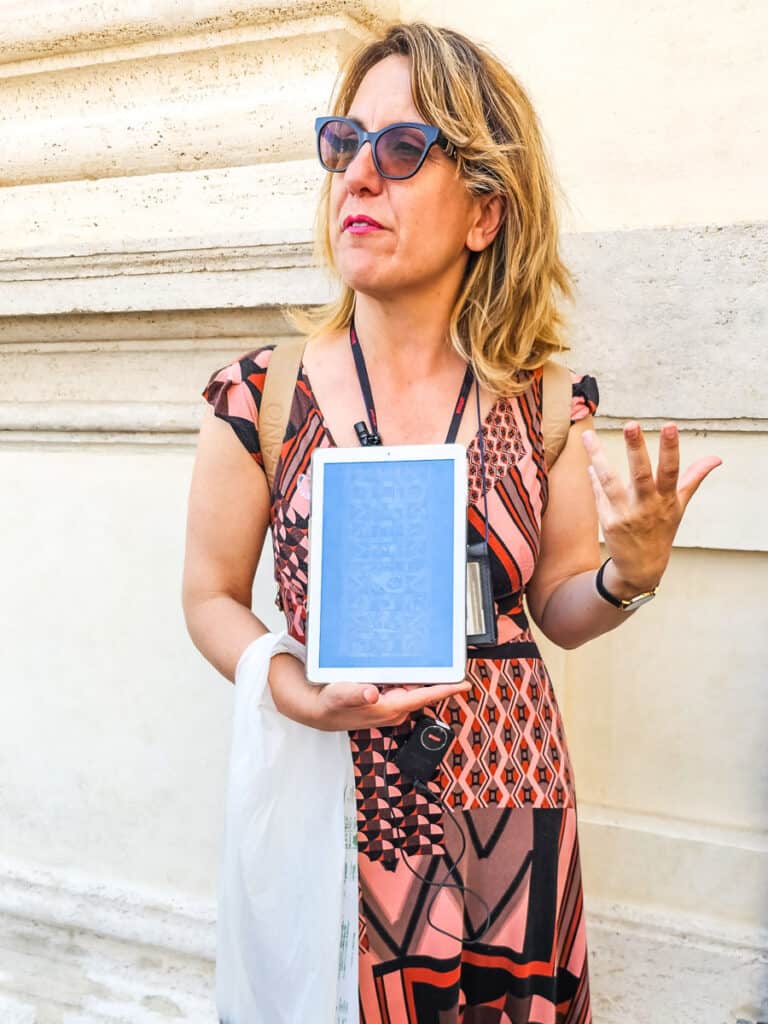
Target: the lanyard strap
(370, 408)
(365, 384)
(481, 439)
(461, 402)
(458, 412)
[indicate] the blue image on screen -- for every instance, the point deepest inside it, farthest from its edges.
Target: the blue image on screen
(387, 575)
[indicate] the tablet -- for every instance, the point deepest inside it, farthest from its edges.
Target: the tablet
(387, 565)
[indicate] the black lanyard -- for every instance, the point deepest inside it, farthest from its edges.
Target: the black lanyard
(373, 437)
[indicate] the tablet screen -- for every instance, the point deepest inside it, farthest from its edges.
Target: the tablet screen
(388, 565)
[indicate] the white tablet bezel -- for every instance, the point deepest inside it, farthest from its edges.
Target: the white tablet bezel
(453, 673)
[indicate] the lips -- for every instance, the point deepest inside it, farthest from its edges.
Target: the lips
(359, 222)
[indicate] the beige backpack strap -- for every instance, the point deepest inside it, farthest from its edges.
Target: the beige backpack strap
(555, 409)
(276, 399)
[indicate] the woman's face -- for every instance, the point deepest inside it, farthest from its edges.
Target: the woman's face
(425, 220)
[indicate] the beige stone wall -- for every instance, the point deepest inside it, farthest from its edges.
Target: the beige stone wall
(651, 118)
(157, 187)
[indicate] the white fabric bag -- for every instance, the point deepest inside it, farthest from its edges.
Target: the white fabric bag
(287, 916)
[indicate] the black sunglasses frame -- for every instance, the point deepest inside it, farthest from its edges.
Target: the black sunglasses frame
(432, 135)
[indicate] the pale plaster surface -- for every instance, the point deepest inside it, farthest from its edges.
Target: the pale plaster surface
(115, 731)
(664, 714)
(652, 111)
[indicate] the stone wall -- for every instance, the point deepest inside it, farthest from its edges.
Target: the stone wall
(157, 190)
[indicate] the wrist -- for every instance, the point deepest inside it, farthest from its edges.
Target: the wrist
(621, 587)
(293, 696)
(625, 589)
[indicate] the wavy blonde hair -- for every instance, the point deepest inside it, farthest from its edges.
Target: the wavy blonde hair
(505, 318)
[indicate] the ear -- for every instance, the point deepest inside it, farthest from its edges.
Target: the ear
(489, 214)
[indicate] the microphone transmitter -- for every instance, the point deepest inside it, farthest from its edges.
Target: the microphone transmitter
(421, 754)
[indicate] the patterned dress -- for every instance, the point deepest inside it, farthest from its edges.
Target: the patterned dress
(511, 945)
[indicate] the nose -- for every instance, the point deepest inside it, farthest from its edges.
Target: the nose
(361, 174)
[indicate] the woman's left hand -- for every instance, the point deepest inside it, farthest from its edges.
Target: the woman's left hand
(640, 520)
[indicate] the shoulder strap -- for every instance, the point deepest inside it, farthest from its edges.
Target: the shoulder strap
(280, 382)
(555, 409)
(276, 399)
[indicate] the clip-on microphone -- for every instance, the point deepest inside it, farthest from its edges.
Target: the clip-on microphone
(364, 436)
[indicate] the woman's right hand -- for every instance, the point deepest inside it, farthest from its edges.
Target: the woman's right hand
(343, 706)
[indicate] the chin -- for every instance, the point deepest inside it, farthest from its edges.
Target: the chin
(373, 289)
(363, 276)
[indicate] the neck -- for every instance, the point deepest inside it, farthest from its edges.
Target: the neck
(409, 336)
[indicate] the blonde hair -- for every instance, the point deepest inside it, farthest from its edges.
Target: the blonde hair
(505, 318)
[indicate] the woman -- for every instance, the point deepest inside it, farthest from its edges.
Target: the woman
(444, 238)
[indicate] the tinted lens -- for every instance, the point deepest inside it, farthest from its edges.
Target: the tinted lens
(338, 145)
(399, 151)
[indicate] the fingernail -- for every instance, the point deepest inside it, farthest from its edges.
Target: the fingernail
(670, 431)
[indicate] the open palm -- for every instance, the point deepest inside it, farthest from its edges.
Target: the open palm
(639, 519)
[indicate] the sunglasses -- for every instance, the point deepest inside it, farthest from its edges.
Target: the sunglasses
(398, 150)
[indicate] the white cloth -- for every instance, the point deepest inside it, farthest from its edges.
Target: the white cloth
(287, 920)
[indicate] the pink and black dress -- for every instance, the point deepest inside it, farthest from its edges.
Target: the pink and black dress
(507, 776)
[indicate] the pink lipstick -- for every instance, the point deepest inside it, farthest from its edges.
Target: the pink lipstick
(359, 224)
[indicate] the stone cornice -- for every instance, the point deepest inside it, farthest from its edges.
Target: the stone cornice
(255, 257)
(90, 419)
(269, 275)
(215, 209)
(53, 35)
(153, 282)
(164, 330)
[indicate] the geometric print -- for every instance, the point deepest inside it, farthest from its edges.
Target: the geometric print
(503, 447)
(510, 748)
(235, 394)
(506, 779)
(522, 959)
(290, 508)
(509, 751)
(392, 815)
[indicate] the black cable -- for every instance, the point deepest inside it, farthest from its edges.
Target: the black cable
(481, 441)
(373, 438)
(421, 787)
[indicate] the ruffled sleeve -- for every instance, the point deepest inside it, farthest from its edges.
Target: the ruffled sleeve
(585, 396)
(235, 393)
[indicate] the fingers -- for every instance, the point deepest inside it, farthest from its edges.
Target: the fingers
(436, 693)
(604, 479)
(642, 481)
(365, 706)
(694, 475)
(351, 695)
(640, 471)
(399, 700)
(668, 468)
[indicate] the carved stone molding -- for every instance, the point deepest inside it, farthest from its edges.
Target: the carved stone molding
(671, 321)
(54, 34)
(271, 204)
(216, 105)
